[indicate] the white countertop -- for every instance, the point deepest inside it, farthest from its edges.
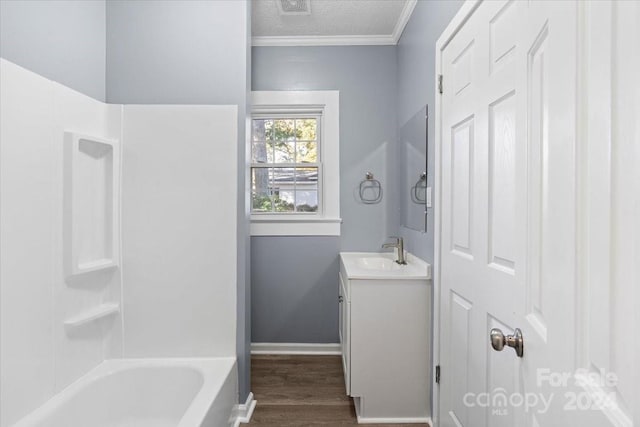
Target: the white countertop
(381, 265)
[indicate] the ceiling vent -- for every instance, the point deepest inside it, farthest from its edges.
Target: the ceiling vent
(294, 7)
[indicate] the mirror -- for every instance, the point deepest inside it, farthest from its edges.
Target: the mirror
(413, 171)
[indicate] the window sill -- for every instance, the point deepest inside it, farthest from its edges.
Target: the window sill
(267, 225)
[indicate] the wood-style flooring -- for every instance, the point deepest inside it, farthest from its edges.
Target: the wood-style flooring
(302, 391)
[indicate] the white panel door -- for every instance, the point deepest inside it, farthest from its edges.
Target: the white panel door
(512, 225)
(482, 252)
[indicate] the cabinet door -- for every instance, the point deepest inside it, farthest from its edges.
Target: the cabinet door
(344, 335)
(341, 302)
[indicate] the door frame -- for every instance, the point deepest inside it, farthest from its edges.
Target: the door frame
(465, 12)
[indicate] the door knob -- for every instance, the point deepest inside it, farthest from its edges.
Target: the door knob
(498, 341)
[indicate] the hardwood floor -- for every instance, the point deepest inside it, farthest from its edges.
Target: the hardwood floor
(302, 391)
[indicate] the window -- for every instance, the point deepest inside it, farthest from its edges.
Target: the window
(285, 164)
(295, 186)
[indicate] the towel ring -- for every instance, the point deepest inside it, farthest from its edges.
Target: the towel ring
(370, 190)
(421, 184)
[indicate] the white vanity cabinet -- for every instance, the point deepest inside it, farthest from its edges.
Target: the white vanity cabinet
(385, 334)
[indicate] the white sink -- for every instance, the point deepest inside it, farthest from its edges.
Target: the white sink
(382, 265)
(376, 263)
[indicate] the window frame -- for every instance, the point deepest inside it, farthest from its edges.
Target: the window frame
(325, 104)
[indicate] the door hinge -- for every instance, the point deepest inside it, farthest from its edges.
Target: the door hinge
(440, 83)
(437, 374)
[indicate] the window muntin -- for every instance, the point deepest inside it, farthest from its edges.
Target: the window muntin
(286, 164)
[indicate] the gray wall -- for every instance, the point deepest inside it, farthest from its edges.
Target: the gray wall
(307, 276)
(294, 304)
(381, 88)
(416, 87)
(61, 40)
(175, 52)
(188, 52)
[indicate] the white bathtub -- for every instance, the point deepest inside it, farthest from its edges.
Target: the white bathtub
(145, 393)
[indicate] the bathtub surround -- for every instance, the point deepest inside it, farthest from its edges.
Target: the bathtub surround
(38, 355)
(190, 52)
(179, 242)
(60, 319)
(151, 52)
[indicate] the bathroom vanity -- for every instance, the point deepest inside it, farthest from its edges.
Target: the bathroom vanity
(385, 334)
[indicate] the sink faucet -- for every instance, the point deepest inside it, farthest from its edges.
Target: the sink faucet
(399, 245)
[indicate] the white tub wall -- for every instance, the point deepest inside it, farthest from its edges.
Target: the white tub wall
(182, 293)
(26, 280)
(114, 337)
(37, 357)
(179, 227)
(81, 350)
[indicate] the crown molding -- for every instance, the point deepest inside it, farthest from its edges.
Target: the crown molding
(347, 40)
(403, 19)
(322, 40)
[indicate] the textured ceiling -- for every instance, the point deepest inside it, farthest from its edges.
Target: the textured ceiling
(328, 18)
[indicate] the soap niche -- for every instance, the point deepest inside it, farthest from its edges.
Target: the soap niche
(91, 204)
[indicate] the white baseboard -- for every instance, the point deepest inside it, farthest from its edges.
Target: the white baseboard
(296, 348)
(392, 420)
(242, 413)
(364, 420)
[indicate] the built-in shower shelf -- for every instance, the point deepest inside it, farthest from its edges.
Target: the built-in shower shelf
(91, 222)
(92, 315)
(99, 264)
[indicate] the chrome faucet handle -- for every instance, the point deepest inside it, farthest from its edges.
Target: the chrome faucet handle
(398, 239)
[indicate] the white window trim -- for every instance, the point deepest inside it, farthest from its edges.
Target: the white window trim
(327, 222)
